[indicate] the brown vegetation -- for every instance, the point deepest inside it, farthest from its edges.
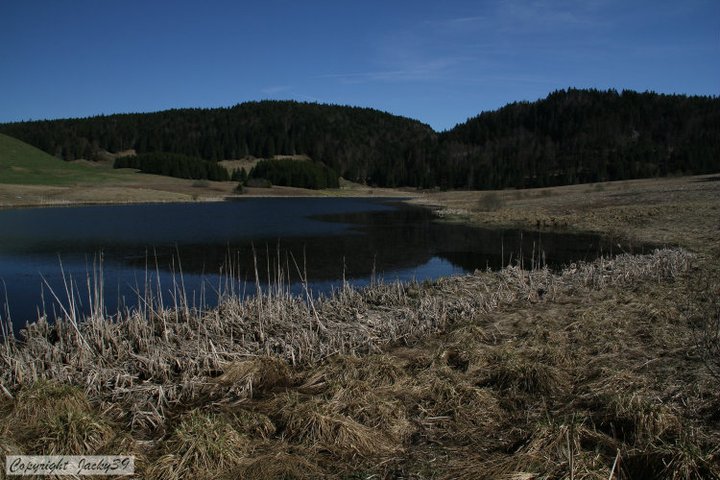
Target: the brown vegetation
(470, 377)
(145, 188)
(676, 210)
(598, 371)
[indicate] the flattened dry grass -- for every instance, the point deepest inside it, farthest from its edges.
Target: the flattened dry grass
(511, 368)
(242, 378)
(550, 450)
(377, 408)
(45, 397)
(371, 370)
(315, 423)
(637, 419)
(449, 407)
(280, 464)
(687, 458)
(250, 423)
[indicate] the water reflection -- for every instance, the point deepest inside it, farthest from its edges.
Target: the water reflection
(324, 240)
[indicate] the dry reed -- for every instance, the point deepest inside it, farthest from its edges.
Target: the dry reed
(515, 373)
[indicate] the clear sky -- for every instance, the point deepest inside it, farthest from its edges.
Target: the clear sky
(437, 61)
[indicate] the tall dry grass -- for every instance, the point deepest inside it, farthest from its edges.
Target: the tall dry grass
(508, 374)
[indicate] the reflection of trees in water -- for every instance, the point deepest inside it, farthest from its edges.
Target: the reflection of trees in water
(483, 248)
(402, 239)
(321, 258)
(383, 241)
(379, 242)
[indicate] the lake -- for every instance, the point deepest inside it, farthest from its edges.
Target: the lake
(212, 247)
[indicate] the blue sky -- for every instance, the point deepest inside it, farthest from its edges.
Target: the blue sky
(439, 62)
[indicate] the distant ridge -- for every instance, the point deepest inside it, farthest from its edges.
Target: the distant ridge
(572, 136)
(578, 136)
(361, 144)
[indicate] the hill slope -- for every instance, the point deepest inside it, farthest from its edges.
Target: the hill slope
(577, 136)
(359, 143)
(23, 164)
(572, 136)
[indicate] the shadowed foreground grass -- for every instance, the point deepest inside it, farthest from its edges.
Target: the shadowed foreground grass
(588, 373)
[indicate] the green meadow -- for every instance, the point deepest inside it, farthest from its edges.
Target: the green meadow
(23, 164)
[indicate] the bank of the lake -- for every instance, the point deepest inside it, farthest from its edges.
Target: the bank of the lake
(674, 211)
(147, 188)
(207, 249)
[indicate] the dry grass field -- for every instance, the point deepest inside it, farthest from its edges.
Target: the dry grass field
(603, 370)
(679, 211)
(145, 188)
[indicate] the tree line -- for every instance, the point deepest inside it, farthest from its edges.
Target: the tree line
(295, 173)
(571, 136)
(578, 136)
(174, 165)
(358, 143)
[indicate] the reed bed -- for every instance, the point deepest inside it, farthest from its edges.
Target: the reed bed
(507, 374)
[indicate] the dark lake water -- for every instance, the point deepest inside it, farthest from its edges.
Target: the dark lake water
(326, 239)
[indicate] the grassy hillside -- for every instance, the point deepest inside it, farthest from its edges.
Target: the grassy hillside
(23, 164)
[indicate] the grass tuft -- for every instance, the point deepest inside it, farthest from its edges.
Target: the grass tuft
(511, 370)
(203, 446)
(250, 423)
(50, 418)
(314, 423)
(280, 465)
(257, 375)
(71, 432)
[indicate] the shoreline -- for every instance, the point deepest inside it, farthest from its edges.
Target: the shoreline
(147, 188)
(680, 211)
(204, 200)
(596, 208)
(644, 210)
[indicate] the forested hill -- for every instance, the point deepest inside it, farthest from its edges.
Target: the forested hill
(361, 144)
(571, 136)
(576, 136)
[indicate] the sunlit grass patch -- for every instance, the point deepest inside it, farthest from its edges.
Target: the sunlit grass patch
(23, 164)
(50, 418)
(511, 368)
(373, 370)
